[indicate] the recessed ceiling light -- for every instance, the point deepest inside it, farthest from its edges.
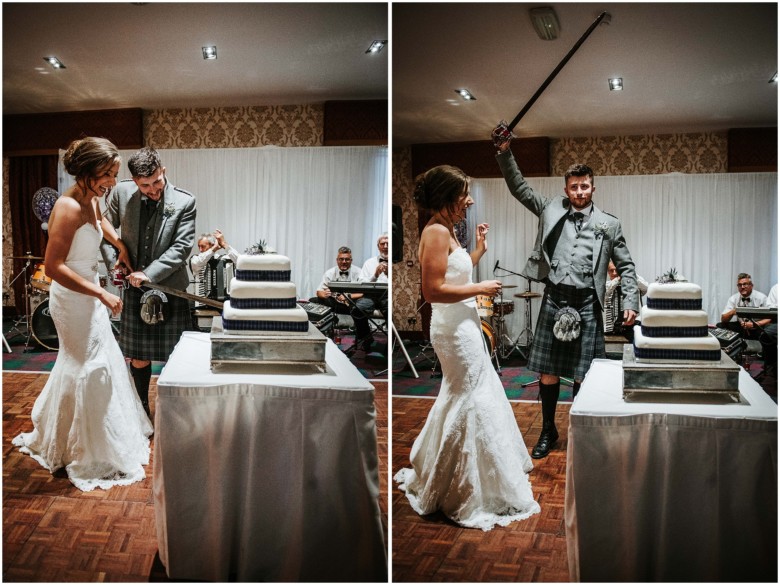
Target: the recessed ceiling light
(774, 78)
(54, 62)
(616, 84)
(545, 22)
(209, 52)
(465, 94)
(376, 46)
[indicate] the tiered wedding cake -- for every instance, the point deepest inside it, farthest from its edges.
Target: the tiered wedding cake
(673, 356)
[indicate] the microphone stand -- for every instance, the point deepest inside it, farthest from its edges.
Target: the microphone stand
(503, 337)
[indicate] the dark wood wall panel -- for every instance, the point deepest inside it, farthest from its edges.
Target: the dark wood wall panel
(752, 150)
(355, 123)
(478, 158)
(35, 134)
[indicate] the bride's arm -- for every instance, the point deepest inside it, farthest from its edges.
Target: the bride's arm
(434, 254)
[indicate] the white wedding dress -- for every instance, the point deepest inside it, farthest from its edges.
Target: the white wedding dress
(469, 460)
(88, 417)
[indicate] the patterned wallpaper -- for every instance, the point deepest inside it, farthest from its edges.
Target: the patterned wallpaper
(607, 155)
(643, 155)
(239, 127)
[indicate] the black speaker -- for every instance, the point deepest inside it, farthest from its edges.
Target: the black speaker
(398, 234)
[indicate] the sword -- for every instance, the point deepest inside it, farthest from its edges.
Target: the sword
(503, 131)
(184, 295)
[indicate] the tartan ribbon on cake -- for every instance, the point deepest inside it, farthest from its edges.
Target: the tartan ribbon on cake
(263, 303)
(674, 304)
(674, 331)
(264, 275)
(286, 326)
(677, 354)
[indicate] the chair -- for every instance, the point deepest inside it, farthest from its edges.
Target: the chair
(752, 351)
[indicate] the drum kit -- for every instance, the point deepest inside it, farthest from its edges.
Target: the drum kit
(36, 322)
(493, 312)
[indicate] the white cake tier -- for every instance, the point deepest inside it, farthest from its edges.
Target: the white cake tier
(262, 262)
(675, 349)
(245, 289)
(673, 290)
(296, 314)
(672, 318)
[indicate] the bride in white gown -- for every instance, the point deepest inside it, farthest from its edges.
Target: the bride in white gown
(88, 417)
(469, 460)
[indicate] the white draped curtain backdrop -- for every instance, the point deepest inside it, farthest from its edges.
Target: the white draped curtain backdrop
(304, 202)
(708, 227)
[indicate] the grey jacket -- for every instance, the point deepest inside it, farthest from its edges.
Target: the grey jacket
(610, 243)
(174, 232)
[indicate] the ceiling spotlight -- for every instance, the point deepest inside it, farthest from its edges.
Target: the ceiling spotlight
(616, 84)
(545, 22)
(465, 94)
(54, 62)
(209, 52)
(774, 78)
(376, 46)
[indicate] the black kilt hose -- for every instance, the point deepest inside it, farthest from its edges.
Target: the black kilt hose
(569, 359)
(152, 342)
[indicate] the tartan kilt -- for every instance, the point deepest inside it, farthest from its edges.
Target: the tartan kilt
(152, 342)
(570, 359)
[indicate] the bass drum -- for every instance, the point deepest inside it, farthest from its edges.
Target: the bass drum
(43, 330)
(490, 337)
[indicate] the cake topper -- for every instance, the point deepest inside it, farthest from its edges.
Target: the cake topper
(259, 248)
(670, 276)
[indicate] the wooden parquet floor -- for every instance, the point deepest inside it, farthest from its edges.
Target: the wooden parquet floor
(433, 548)
(53, 532)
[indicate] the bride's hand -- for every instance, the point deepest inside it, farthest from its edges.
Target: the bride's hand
(482, 230)
(113, 302)
(491, 288)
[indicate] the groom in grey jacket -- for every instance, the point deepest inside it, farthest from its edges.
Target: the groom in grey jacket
(574, 245)
(157, 222)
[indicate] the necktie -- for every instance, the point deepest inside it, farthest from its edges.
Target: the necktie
(578, 218)
(151, 206)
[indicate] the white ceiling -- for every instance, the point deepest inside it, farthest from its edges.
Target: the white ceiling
(685, 67)
(149, 56)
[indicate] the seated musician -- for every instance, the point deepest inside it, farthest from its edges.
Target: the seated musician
(375, 269)
(208, 246)
(613, 312)
(746, 297)
(343, 272)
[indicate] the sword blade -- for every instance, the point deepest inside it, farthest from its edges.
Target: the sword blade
(555, 72)
(183, 295)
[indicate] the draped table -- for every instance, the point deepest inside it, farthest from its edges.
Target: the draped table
(670, 491)
(266, 473)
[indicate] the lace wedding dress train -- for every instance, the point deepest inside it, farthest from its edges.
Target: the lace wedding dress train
(470, 460)
(88, 417)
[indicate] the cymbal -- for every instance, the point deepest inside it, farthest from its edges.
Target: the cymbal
(27, 257)
(528, 295)
(508, 286)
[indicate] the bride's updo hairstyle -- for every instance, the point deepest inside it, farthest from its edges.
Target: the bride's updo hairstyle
(87, 157)
(440, 187)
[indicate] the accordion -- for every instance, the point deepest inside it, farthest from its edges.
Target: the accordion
(217, 275)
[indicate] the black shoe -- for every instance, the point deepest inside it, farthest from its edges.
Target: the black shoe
(366, 344)
(546, 440)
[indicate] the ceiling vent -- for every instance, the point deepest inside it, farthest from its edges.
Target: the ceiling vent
(545, 22)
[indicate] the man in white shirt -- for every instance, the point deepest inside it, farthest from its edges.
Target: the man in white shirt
(746, 297)
(343, 272)
(375, 269)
